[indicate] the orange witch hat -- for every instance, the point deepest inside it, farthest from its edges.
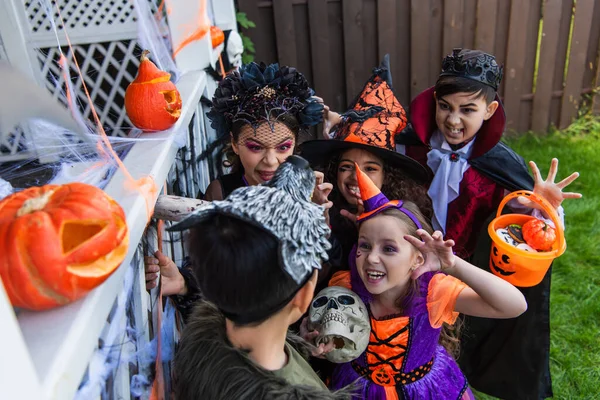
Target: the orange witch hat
(374, 201)
(371, 123)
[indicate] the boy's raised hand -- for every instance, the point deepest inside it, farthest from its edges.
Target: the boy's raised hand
(171, 279)
(309, 335)
(548, 189)
(436, 251)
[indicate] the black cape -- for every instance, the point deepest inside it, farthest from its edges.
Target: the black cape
(506, 358)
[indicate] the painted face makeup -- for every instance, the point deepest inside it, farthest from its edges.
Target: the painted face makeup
(346, 174)
(384, 258)
(262, 150)
(459, 116)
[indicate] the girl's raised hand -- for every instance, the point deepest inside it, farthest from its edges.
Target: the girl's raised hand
(322, 191)
(360, 209)
(548, 189)
(436, 251)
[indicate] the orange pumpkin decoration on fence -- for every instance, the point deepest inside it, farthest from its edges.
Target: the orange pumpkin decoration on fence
(216, 36)
(58, 243)
(152, 101)
(539, 234)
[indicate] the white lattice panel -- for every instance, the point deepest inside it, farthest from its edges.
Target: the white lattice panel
(80, 14)
(107, 69)
(83, 20)
(14, 147)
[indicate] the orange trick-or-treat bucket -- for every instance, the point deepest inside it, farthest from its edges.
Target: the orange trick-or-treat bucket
(517, 266)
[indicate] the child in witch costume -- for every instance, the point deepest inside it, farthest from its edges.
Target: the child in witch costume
(412, 284)
(258, 253)
(258, 112)
(365, 135)
(456, 131)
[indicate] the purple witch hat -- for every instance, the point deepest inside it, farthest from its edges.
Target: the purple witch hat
(375, 202)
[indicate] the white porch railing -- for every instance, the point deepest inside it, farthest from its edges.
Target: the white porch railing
(46, 355)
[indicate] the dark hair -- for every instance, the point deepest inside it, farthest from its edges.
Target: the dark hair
(397, 185)
(233, 160)
(237, 267)
(447, 85)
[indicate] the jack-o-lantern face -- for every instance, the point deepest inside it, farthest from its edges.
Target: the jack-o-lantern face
(382, 378)
(152, 101)
(58, 243)
(501, 263)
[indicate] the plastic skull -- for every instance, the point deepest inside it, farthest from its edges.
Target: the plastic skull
(340, 315)
(235, 48)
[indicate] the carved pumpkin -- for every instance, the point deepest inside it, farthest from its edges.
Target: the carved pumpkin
(539, 234)
(58, 243)
(217, 36)
(152, 101)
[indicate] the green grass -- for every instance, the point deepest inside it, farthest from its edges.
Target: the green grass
(575, 295)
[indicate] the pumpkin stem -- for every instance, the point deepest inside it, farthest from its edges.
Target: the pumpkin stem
(145, 54)
(35, 204)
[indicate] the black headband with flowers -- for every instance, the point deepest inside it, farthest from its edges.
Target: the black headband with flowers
(258, 93)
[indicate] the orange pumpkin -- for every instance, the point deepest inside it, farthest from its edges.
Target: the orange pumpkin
(217, 36)
(58, 243)
(539, 234)
(152, 101)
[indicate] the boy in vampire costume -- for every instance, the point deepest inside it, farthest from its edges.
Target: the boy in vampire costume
(456, 130)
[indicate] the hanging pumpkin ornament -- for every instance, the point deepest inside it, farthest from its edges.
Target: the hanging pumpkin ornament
(152, 101)
(539, 234)
(217, 36)
(58, 243)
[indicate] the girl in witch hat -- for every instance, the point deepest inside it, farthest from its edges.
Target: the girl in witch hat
(365, 135)
(412, 284)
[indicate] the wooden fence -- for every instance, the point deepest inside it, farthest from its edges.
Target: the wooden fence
(549, 48)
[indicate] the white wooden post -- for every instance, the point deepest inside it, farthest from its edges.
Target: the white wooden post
(18, 377)
(224, 14)
(185, 19)
(21, 56)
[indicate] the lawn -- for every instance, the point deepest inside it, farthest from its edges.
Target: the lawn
(575, 295)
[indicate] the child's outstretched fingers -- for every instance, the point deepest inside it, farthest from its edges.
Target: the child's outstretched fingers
(359, 211)
(322, 190)
(306, 333)
(548, 189)
(436, 251)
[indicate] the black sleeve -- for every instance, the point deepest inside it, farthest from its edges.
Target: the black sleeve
(185, 304)
(505, 167)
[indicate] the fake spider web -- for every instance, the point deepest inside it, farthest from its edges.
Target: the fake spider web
(38, 152)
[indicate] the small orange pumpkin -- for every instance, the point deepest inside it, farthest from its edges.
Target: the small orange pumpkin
(58, 243)
(539, 234)
(152, 101)
(217, 36)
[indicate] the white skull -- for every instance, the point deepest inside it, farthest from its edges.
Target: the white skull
(235, 48)
(340, 315)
